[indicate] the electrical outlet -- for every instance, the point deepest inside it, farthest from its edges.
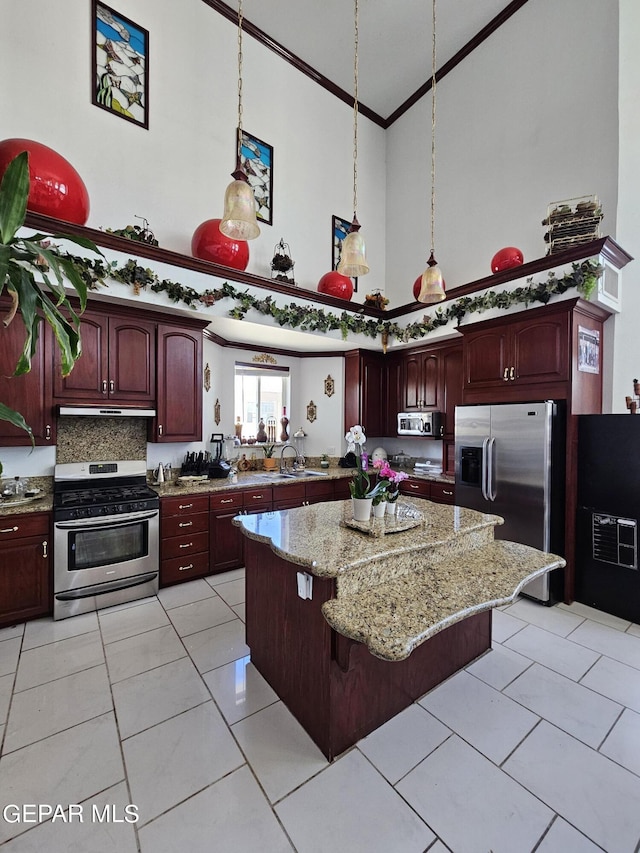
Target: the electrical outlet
(331, 451)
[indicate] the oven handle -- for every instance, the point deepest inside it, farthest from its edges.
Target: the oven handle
(104, 588)
(111, 521)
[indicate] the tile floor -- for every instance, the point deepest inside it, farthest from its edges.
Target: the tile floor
(155, 704)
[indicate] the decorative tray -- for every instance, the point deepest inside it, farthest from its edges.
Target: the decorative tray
(9, 502)
(195, 478)
(406, 516)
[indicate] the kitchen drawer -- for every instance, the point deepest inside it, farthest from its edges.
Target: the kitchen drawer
(419, 488)
(177, 525)
(184, 568)
(341, 488)
(225, 501)
(254, 497)
(295, 492)
(319, 490)
(185, 505)
(292, 504)
(19, 526)
(178, 546)
(443, 493)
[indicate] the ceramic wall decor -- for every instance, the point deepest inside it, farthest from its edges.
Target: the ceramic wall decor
(312, 411)
(329, 386)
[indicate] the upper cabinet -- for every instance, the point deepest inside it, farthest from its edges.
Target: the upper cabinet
(118, 362)
(534, 354)
(365, 395)
(179, 404)
(419, 381)
(30, 393)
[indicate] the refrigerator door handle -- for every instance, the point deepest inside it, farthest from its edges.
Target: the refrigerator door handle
(490, 490)
(484, 474)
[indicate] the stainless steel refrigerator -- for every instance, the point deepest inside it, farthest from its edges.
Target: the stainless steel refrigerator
(509, 460)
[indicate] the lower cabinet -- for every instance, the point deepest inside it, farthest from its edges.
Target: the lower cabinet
(443, 493)
(25, 567)
(225, 540)
(184, 538)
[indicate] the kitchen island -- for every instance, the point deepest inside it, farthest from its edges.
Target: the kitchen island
(349, 626)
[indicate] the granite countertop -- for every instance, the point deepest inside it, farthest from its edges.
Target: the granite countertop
(393, 592)
(316, 538)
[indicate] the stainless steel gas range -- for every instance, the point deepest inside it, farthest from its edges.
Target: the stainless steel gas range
(106, 536)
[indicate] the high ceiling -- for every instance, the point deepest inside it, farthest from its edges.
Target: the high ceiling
(394, 39)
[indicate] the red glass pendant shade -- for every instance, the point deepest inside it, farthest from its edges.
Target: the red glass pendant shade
(210, 244)
(56, 188)
(335, 284)
(506, 258)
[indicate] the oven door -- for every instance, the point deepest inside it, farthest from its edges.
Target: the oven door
(117, 551)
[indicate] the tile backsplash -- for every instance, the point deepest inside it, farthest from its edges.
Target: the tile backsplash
(87, 439)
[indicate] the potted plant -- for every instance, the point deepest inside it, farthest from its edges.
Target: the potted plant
(269, 463)
(324, 461)
(392, 481)
(362, 492)
(32, 273)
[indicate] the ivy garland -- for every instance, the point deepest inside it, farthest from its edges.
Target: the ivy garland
(584, 277)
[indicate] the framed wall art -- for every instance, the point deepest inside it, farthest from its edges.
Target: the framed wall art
(256, 158)
(339, 229)
(120, 73)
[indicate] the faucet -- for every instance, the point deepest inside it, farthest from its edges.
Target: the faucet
(298, 462)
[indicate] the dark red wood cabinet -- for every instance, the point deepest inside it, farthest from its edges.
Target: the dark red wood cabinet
(225, 540)
(421, 389)
(184, 538)
(365, 391)
(25, 567)
(30, 393)
(117, 362)
(179, 378)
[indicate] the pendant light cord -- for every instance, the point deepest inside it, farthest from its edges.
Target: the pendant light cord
(239, 79)
(433, 125)
(355, 108)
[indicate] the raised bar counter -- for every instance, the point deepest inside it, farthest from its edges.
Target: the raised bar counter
(390, 616)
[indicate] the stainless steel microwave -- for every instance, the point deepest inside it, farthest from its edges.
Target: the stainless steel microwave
(420, 423)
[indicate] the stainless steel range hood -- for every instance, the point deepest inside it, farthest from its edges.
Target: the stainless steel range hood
(105, 412)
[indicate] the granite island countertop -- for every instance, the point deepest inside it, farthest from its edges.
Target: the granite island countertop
(394, 592)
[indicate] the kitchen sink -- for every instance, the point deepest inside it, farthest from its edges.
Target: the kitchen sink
(302, 474)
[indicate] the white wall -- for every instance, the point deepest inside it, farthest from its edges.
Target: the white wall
(175, 173)
(624, 327)
(530, 117)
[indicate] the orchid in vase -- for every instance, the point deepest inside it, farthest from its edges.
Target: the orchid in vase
(390, 478)
(360, 485)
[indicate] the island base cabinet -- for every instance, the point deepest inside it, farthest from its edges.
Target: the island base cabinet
(337, 690)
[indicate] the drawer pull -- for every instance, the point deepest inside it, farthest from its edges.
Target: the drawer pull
(257, 497)
(186, 524)
(185, 506)
(445, 492)
(413, 486)
(10, 529)
(226, 500)
(185, 568)
(190, 544)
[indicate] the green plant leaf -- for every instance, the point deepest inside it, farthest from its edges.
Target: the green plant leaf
(22, 283)
(15, 418)
(14, 192)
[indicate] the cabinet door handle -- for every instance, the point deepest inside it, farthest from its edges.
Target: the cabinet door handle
(45, 547)
(185, 506)
(159, 429)
(47, 431)
(112, 386)
(512, 373)
(10, 529)
(505, 375)
(186, 524)
(104, 386)
(188, 545)
(185, 568)
(226, 500)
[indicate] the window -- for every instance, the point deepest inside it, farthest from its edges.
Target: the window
(260, 392)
